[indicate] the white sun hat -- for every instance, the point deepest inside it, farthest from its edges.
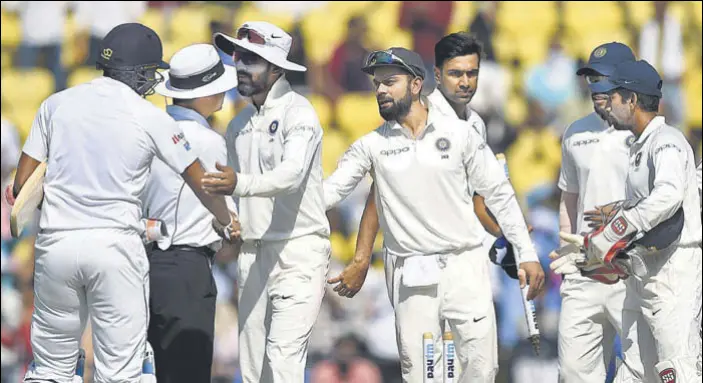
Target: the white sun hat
(265, 39)
(197, 71)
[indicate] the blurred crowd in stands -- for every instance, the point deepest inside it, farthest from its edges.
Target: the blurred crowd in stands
(528, 94)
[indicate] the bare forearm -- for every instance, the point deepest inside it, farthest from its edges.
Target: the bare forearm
(568, 213)
(368, 228)
(485, 217)
(216, 204)
(25, 168)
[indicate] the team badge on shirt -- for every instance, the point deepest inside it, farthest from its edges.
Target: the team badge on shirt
(443, 144)
(273, 127)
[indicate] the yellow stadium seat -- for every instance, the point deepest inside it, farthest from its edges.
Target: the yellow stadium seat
(694, 100)
(640, 12)
(27, 87)
(82, 75)
(382, 21)
(323, 108)
(350, 8)
(584, 17)
(22, 117)
(520, 17)
(357, 114)
(11, 29)
(334, 144)
(462, 16)
(249, 12)
(6, 58)
(190, 25)
(515, 109)
(323, 31)
(154, 19)
(505, 47)
(340, 248)
(698, 13)
(398, 38)
(531, 49)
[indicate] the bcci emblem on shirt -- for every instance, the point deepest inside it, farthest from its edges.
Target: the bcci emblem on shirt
(443, 145)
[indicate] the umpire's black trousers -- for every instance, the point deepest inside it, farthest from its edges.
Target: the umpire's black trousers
(182, 313)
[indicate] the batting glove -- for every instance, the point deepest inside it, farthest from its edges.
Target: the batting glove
(566, 258)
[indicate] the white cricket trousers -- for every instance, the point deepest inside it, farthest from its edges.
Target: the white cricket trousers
(670, 300)
(591, 316)
(463, 298)
(101, 272)
(281, 285)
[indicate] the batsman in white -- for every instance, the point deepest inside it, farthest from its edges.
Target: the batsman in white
(593, 173)
(98, 140)
(275, 173)
(183, 291)
(661, 196)
(422, 163)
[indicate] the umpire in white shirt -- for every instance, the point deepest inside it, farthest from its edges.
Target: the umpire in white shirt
(98, 140)
(274, 147)
(422, 163)
(183, 291)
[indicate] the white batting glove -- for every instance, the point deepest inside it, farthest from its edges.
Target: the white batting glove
(565, 258)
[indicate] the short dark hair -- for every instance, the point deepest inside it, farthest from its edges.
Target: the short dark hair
(645, 102)
(456, 45)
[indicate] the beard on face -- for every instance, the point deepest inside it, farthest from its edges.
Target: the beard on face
(398, 109)
(252, 78)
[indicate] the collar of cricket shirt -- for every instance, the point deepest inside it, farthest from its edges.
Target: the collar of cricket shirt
(278, 93)
(180, 113)
(651, 127)
(440, 102)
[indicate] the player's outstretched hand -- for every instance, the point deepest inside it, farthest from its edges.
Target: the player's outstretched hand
(350, 280)
(532, 273)
(565, 259)
(222, 182)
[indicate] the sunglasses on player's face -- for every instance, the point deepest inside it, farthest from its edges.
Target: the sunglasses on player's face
(253, 36)
(385, 57)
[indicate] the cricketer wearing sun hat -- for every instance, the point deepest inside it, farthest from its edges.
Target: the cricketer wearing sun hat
(197, 82)
(274, 173)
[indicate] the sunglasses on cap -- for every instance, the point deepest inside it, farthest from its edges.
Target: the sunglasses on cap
(387, 58)
(253, 36)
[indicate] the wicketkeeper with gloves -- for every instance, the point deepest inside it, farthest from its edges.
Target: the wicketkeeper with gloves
(662, 196)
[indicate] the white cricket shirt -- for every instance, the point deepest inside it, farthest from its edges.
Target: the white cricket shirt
(663, 172)
(421, 184)
(594, 163)
(99, 140)
(167, 196)
(276, 154)
(442, 105)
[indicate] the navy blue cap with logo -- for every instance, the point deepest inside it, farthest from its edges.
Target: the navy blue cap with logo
(398, 57)
(636, 76)
(130, 46)
(605, 57)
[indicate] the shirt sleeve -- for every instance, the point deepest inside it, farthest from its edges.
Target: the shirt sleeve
(37, 143)
(351, 169)
(487, 177)
(169, 143)
(568, 176)
(302, 139)
(667, 162)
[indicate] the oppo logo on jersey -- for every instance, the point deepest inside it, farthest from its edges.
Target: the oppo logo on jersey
(395, 152)
(586, 142)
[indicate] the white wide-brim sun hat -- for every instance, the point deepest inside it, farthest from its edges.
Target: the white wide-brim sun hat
(197, 71)
(275, 49)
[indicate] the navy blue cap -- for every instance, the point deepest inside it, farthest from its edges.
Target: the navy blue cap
(131, 45)
(605, 57)
(410, 61)
(637, 76)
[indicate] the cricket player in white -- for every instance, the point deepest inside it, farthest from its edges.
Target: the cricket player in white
(182, 320)
(457, 59)
(98, 140)
(422, 163)
(593, 173)
(661, 186)
(275, 173)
